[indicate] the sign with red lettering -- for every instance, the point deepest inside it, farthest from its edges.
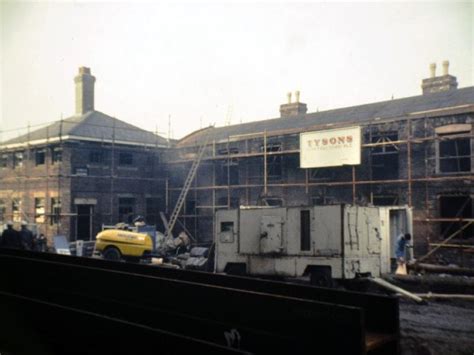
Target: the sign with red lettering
(335, 147)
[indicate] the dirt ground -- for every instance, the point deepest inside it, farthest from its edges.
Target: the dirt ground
(438, 328)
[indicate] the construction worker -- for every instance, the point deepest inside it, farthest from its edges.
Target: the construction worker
(400, 253)
(10, 237)
(40, 243)
(26, 236)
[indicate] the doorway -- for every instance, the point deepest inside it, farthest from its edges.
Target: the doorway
(84, 222)
(398, 225)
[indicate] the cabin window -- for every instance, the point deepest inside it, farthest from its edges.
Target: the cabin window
(305, 230)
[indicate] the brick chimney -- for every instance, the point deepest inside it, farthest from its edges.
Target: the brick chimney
(292, 109)
(84, 91)
(435, 83)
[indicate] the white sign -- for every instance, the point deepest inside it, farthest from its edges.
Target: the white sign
(333, 147)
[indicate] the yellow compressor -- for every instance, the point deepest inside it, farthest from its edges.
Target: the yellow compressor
(117, 244)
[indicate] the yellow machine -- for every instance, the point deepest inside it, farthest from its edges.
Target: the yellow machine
(117, 244)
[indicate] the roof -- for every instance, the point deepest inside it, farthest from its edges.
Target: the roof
(92, 126)
(349, 115)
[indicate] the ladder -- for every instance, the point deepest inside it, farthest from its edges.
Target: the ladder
(186, 186)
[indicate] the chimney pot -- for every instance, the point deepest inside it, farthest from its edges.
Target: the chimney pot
(84, 70)
(446, 67)
(289, 97)
(433, 69)
(297, 96)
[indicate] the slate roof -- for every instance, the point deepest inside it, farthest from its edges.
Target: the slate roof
(354, 114)
(93, 125)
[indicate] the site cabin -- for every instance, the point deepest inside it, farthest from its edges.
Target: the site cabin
(323, 242)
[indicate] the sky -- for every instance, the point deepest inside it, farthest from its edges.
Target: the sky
(196, 64)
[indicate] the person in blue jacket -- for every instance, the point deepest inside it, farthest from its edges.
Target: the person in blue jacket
(400, 251)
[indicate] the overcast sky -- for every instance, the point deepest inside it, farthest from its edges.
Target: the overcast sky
(207, 63)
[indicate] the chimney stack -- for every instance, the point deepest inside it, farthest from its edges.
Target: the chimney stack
(446, 67)
(433, 69)
(84, 91)
(435, 83)
(292, 109)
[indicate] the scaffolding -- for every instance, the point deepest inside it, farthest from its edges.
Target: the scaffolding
(51, 179)
(418, 137)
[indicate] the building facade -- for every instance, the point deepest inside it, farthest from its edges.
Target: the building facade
(415, 151)
(92, 169)
(81, 172)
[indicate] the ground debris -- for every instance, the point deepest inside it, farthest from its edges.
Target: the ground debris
(438, 328)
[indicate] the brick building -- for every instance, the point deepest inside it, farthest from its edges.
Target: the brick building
(415, 151)
(90, 169)
(76, 174)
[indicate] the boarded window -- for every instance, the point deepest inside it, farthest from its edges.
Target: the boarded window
(454, 154)
(40, 209)
(126, 209)
(305, 231)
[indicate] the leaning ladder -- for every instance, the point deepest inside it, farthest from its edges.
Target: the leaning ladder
(186, 186)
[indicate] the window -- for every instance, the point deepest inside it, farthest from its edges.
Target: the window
(190, 207)
(40, 209)
(234, 202)
(385, 200)
(152, 210)
(321, 174)
(3, 210)
(274, 162)
(227, 172)
(454, 154)
(3, 160)
(305, 230)
(321, 200)
(451, 207)
(55, 211)
(272, 201)
(81, 171)
(56, 155)
(126, 209)
(227, 226)
(384, 158)
(18, 160)
(126, 159)
(40, 156)
(16, 209)
(96, 157)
